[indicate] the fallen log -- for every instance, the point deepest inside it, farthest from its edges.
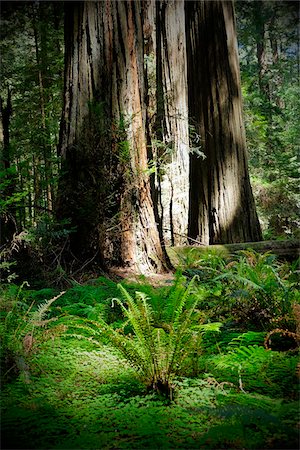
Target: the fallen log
(285, 250)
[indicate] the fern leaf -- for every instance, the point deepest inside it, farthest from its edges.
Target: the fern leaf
(38, 315)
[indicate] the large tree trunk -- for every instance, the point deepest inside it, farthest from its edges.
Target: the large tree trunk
(106, 189)
(222, 208)
(167, 109)
(172, 127)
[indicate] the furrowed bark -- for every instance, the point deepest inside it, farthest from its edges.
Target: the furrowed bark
(222, 208)
(167, 115)
(103, 136)
(172, 127)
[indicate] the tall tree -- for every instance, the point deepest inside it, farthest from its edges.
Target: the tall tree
(167, 115)
(7, 216)
(221, 202)
(172, 127)
(271, 104)
(43, 65)
(31, 63)
(106, 189)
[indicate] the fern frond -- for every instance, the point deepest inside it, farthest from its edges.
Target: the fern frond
(183, 301)
(247, 339)
(38, 316)
(137, 312)
(140, 315)
(178, 331)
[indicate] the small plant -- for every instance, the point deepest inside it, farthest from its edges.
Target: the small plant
(256, 293)
(18, 329)
(252, 368)
(158, 344)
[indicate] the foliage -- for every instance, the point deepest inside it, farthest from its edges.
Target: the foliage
(231, 392)
(163, 340)
(268, 45)
(253, 290)
(255, 369)
(19, 327)
(40, 252)
(31, 68)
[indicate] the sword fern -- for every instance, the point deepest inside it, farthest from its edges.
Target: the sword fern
(160, 344)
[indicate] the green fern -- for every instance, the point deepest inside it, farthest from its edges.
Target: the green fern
(247, 339)
(17, 331)
(256, 294)
(159, 345)
(255, 369)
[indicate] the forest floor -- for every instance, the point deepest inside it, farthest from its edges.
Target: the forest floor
(153, 279)
(62, 389)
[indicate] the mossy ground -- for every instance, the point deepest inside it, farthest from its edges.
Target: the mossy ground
(76, 395)
(82, 398)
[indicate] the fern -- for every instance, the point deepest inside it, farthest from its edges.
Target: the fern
(253, 368)
(247, 339)
(255, 291)
(161, 343)
(38, 317)
(18, 331)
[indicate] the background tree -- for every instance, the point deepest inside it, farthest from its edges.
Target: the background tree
(31, 66)
(269, 55)
(222, 207)
(8, 214)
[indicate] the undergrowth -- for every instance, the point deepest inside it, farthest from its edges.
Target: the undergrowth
(132, 366)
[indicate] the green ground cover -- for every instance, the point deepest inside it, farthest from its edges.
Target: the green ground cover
(67, 384)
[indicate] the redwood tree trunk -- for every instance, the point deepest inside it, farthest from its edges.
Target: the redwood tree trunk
(167, 115)
(172, 127)
(222, 208)
(105, 188)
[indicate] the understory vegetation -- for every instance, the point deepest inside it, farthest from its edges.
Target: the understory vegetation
(205, 360)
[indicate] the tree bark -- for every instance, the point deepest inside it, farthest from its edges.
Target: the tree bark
(172, 127)
(262, 21)
(167, 115)
(5, 112)
(222, 208)
(106, 189)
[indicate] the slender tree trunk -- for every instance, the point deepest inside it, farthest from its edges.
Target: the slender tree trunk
(276, 81)
(6, 112)
(262, 52)
(8, 214)
(41, 63)
(222, 208)
(106, 188)
(21, 216)
(37, 188)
